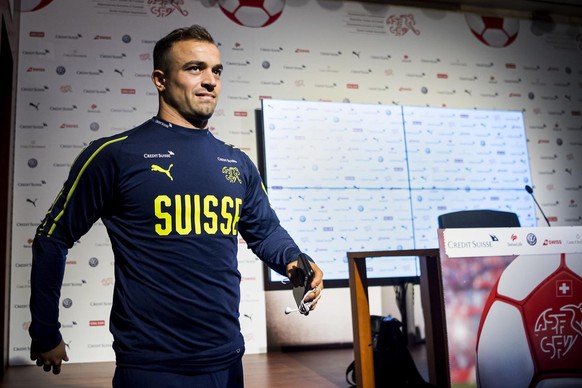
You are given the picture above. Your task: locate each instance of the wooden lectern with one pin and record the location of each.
(433, 307)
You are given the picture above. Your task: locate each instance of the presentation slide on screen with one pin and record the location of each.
(363, 177)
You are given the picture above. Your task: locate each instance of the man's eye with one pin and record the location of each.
(218, 72)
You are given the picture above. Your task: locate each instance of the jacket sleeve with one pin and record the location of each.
(84, 197)
(261, 229)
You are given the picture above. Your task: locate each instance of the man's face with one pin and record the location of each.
(192, 83)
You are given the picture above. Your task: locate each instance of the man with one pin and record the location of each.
(173, 199)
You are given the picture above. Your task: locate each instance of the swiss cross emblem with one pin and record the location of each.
(564, 288)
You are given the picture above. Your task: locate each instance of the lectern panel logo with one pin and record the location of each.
(531, 239)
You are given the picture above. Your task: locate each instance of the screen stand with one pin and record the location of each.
(433, 310)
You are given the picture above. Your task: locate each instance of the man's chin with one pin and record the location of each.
(199, 118)
(205, 113)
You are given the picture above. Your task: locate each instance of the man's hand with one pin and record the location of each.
(316, 284)
(51, 359)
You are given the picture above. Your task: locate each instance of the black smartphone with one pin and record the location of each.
(302, 283)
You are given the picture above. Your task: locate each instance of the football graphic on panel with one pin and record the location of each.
(252, 13)
(530, 334)
(493, 31)
(33, 5)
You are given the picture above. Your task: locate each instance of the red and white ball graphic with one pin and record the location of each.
(252, 13)
(530, 334)
(493, 31)
(33, 5)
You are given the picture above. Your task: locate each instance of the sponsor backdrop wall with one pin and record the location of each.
(84, 72)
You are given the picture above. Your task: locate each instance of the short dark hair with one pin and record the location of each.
(163, 46)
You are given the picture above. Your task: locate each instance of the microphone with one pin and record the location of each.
(530, 191)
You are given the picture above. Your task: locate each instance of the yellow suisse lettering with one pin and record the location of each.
(227, 205)
(183, 216)
(165, 228)
(237, 207)
(188, 214)
(212, 226)
(197, 212)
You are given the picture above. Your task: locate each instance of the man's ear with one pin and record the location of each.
(159, 80)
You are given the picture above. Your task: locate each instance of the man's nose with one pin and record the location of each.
(209, 79)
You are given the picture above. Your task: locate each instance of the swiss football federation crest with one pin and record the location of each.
(232, 174)
(558, 330)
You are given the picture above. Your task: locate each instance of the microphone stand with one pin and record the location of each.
(529, 189)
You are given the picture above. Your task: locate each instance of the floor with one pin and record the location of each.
(305, 368)
(316, 368)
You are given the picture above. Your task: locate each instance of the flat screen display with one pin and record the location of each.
(348, 177)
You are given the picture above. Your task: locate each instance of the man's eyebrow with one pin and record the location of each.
(202, 65)
(194, 63)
